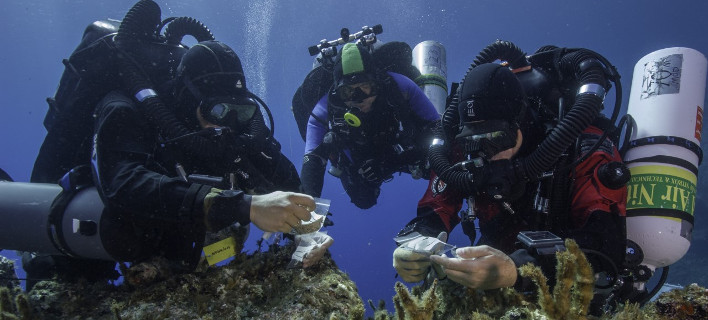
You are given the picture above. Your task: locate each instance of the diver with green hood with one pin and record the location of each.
(178, 149)
(370, 125)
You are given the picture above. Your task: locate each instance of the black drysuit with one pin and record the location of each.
(153, 210)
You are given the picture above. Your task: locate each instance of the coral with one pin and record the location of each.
(19, 310)
(409, 307)
(574, 284)
(630, 312)
(380, 312)
(446, 299)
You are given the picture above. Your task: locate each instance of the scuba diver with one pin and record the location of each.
(370, 124)
(179, 149)
(527, 183)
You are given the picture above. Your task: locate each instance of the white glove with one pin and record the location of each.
(412, 258)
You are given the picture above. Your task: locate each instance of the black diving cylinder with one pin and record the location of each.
(40, 217)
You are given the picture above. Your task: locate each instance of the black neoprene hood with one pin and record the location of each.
(490, 92)
(213, 68)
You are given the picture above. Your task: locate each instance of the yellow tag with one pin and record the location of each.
(220, 250)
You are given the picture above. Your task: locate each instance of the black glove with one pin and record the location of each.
(226, 207)
(253, 144)
(372, 171)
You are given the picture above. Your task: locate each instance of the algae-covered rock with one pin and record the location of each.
(8, 278)
(257, 286)
(569, 299)
(690, 302)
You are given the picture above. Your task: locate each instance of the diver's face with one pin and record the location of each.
(203, 122)
(511, 152)
(364, 105)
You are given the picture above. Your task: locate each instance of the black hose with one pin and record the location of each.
(140, 23)
(588, 67)
(265, 107)
(182, 26)
(583, 112)
(164, 118)
(501, 50)
(662, 280)
(629, 120)
(613, 266)
(459, 178)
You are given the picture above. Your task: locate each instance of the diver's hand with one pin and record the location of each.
(413, 266)
(258, 144)
(480, 267)
(280, 211)
(314, 256)
(372, 171)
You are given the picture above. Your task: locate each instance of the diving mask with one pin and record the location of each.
(488, 137)
(228, 111)
(357, 92)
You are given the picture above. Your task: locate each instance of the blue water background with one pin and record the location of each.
(272, 38)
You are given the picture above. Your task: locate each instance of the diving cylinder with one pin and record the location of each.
(27, 222)
(666, 102)
(429, 57)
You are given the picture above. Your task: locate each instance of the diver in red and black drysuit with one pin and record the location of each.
(495, 133)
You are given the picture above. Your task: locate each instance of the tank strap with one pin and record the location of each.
(431, 79)
(669, 140)
(668, 160)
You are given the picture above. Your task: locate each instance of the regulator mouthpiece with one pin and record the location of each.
(352, 119)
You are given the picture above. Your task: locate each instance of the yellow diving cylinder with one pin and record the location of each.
(666, 102)
(429, 57)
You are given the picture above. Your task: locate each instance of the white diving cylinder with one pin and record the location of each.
(666, 102)
(29, 221)
(429, 57)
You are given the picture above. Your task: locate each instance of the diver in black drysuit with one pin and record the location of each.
(135, 172)
(163, 191)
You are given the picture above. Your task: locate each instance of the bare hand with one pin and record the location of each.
(481, 267)
(280, 211)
